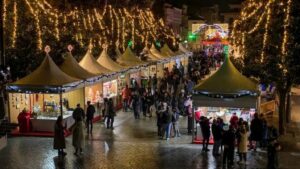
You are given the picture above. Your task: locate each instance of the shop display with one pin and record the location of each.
(110, 89)
(226, 113)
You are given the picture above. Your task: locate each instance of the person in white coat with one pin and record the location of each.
(243, 143)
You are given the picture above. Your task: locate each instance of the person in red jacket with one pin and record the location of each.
(234, 121)
(125, 97)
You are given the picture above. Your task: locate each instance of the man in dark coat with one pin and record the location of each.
(256, 128)
(78, 113)
(90, 111)
(217, 133)
(228, 142)
(205, 128)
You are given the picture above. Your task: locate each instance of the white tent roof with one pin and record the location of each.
(89, 63)
(108, 63)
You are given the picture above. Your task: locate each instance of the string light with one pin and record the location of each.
(56, 27)
(14, 34)
(263, 11)
(37, 24)
(286, 25)
(123, 23)
(4, 12)
(269, 13)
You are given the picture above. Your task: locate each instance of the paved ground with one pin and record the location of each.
(133, 144)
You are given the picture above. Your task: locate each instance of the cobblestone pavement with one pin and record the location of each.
(132, 144)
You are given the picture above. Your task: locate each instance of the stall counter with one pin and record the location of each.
(46, 124)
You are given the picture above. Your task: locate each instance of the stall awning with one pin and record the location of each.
(239, 102)
(155, 52)
(227, 80)
(151, 57)
(166, 51)
(118, 52)
(71, 67)
(183, 49)
(89, 63)
(108, 63)
(46, 78)
(129, 58)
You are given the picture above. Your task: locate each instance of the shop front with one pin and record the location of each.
(225, 92)
(36, 100)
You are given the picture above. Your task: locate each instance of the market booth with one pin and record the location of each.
(71, 67)
(185, 60)
(44, 94)
(168, 53)
(162, 59)
(94, 92)
(114, 86)
(226, 92)
(136, 66)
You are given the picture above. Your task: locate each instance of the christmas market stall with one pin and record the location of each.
(160, 64)
(116, 84)
(94, 92)
(71, 67)
(170, 55)
(185, 60)
(136, 66)
(36, 100)
(224, 93)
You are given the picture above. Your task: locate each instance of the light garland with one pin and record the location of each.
(14, 34)
(286, 25)
(37, 23)
(263, 10)
(269, 13)
(83, 22)
(4, 12)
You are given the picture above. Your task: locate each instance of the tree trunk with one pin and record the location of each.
(288, 108)
(282, 108)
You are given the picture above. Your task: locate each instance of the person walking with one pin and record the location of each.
(105, 109)
(217, 134)
(229, 143)
(234, 120)
(167, 121)
(243, 143)
(136, 105)
(205, 127)
(78, 113)
(256, 128)
(78, 130)
(59, 142)
(111, 114)
(175, 123)
(90, 111)
(125, 98)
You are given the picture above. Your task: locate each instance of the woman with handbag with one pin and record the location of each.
(59, 142)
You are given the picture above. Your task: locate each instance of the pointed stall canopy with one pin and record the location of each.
(89, 63)
(155, 52)
(46, 78)
(166, 51)
(227, 81)
(118, 52)
(129, 58)
(108, 63)
(150, 56)
(182, 48)
(71, 67)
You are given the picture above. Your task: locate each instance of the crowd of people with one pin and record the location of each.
(169, 98)
(241, 136)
